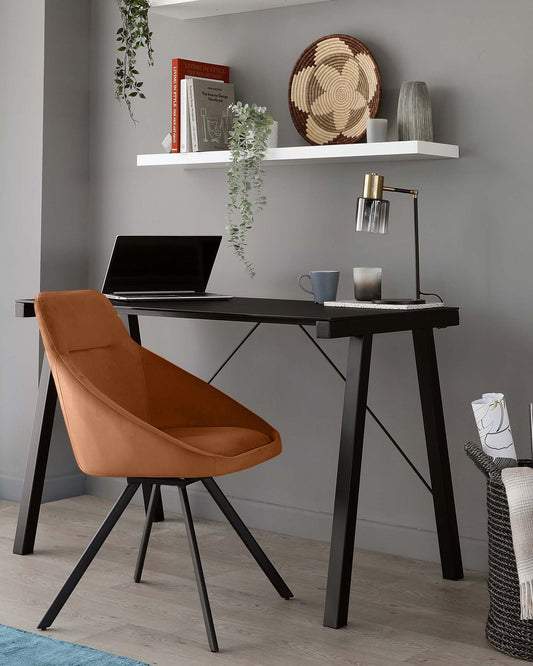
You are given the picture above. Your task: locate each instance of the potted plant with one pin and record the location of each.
(247, 144)
(132, 35)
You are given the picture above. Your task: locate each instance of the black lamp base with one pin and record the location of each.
(400, 301)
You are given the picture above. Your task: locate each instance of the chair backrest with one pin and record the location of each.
(84, 330)
(118, 399)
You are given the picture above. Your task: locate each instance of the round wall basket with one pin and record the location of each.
(335, 86)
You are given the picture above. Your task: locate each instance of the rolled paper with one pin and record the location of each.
(492, 421)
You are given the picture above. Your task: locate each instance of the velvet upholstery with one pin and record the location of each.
(130, 412)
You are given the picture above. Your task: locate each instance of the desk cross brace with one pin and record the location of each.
(342, 376)
(380, 424)
(234, 351)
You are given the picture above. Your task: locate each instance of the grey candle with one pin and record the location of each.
(376, 130)
(367, 283)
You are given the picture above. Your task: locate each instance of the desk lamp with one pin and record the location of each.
(373, 215)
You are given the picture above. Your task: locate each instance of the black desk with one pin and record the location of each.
(359, 326)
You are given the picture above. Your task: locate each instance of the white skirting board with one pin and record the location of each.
(55, 487)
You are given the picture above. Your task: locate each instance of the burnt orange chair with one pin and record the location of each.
(130, 413)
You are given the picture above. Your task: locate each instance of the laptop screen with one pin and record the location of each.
(160, 263)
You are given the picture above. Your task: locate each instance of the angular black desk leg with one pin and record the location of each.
(348, 476)
(32, 492)
(437, 448)
(135, 332)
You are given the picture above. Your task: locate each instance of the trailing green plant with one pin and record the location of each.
(247, 144)
(132, 35)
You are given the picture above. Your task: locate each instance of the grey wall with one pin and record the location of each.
(21, 128)
(474, 247)
(65, 218)
(45, 208)
(476, 242)
(66, 205)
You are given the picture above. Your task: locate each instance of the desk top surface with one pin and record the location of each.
(331, 322)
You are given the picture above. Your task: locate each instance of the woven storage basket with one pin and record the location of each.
(504, 630)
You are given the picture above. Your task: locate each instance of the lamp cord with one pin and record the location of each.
(426, 293)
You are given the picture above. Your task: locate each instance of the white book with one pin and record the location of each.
(185, 131)
(185, 121)
(191, 106)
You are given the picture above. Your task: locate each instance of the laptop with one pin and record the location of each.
(161, 268)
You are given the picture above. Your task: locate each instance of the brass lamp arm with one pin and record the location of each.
(401, 189)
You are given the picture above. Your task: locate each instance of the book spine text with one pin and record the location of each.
(175, 131)
(192, 115)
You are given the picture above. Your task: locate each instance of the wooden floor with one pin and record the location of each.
(401, 611)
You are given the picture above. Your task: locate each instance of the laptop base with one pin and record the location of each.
(168, 297)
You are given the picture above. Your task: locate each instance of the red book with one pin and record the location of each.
(180, 69)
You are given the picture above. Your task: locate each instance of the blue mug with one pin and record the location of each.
(323, 285)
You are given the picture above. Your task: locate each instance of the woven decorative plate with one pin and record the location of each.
(335, 86)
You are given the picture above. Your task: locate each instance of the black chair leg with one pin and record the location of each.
(200, 581)
(88, 555)
(155, 496)
(159, 515)
(247, 538)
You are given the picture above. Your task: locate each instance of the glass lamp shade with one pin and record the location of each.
(372, 215)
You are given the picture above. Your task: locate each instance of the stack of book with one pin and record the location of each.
(201, 95)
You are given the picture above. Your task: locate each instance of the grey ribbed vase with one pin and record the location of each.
(415, 120)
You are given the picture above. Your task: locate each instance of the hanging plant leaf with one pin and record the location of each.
(247, 144)
(132, 36)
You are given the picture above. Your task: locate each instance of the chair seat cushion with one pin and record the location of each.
(221, 440)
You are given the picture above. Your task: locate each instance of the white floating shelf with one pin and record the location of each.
(193, 9)
(350, 152)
